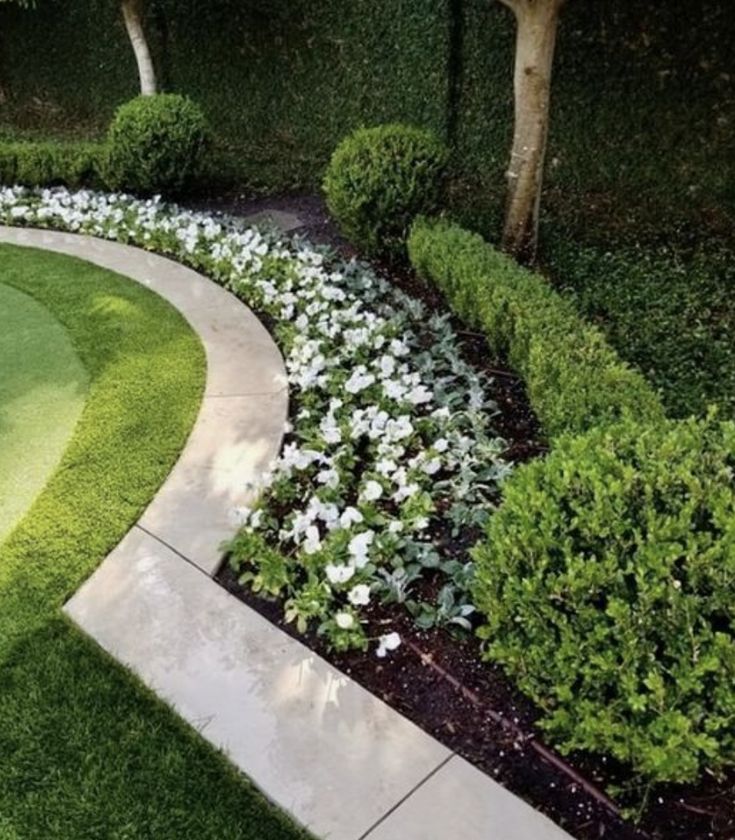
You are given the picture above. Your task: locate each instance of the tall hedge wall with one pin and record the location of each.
(644, 103)
(282, 80)
(643, 112)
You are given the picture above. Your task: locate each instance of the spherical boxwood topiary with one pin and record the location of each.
(380, 179)
(156, 144)
(608, 582)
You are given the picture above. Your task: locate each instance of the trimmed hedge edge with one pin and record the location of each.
(49, 164)
(575, 380)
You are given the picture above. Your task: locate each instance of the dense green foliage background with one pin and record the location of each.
(643, 98)
(639, 202)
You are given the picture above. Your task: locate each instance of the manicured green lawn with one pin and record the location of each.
(85, 750)
(42, 389)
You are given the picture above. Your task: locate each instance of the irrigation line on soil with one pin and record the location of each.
(519, 735)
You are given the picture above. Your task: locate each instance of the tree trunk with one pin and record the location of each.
(537, 23)
(133, 16)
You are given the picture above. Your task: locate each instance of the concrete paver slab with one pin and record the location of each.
(314, 741)
(459, 801)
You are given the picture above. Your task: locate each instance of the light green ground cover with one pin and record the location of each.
(85, 750)
(42, 389)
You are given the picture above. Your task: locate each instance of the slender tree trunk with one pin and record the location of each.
(537, 23)
(133, 15)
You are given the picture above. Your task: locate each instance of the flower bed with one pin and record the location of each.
(391, 463)
(360, 516)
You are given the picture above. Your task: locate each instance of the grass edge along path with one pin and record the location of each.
(86, 750)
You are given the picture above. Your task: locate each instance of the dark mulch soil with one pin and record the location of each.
(439, 681)
(318, 226)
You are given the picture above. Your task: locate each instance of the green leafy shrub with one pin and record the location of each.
(157, 144)
(378, 181)
(575, 380)
(50, 164)
(608, 581)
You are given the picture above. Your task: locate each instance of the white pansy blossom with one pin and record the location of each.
(359, 547)
(350, 516)
(359, 595)
(339, 574)
(359, 380)
(372, 491)
(312, 543)
(387, 643)
(344, 621)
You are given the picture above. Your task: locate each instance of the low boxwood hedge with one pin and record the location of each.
(155, 144)
(575, 379)
(48, 164)
(606, 576)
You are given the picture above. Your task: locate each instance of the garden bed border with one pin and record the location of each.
(338, 759)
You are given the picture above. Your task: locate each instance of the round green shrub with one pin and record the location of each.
(379, 179)
(607, 578)
(156, 144)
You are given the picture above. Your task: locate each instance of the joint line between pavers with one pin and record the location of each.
(405, 798)
(248, 394)
(176, 551)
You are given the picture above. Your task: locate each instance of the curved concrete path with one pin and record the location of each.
(341, 761)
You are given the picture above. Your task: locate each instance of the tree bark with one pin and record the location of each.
(133, 15)
(536, 28)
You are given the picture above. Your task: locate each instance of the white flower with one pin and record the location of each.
(394, 390)
(301, 521)
(359, 380)
(441, 445)
(387, 365)
(359, 546)
(299, 458)
(331, 432)
(329, 477)
(432, 466)
(419, 395)
(388, 642)
(350, 516)
(371, 491)
(345, 621)
(395, 526)
(405, 492)
(317, 509)
(339, 574)
(312, 543)
(399, 429)
(359, 596)
(386, 466)
(400, 477)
